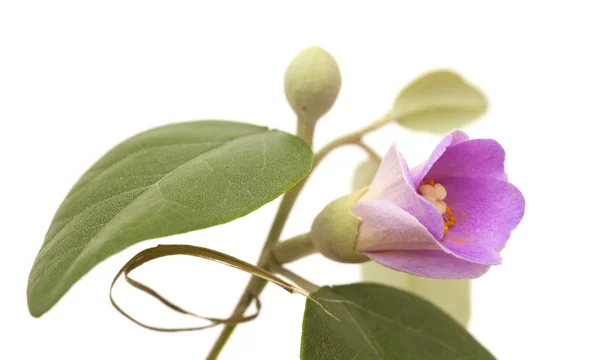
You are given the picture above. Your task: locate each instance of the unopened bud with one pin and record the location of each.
(312, 83)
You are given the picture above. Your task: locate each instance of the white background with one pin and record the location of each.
(78, 77)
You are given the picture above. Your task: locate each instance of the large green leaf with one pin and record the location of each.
(167, 180)
(452, 296)
(438, 101)
(380, 322)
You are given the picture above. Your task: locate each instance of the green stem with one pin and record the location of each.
(354, 137)
(293, 249)
(369, 150)
(305, 129)
(256, 285)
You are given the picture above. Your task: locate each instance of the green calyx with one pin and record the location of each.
(335, 230)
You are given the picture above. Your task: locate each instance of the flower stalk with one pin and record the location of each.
(293, 249)
(256, 285)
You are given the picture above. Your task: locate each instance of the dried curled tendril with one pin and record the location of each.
(170, 250)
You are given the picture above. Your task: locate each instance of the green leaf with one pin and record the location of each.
(364, 173)
(452, 296)
(380, 322)
(164, 181)
(438, 102)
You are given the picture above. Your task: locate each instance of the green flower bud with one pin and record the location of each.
(312, 83)
(335, 229)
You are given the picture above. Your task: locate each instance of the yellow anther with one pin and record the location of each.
(440, 191)
(428, 191)
(435, 193)
(441, 206)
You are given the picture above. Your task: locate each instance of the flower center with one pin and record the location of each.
(435, 194)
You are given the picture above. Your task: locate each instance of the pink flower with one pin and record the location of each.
(447, 218)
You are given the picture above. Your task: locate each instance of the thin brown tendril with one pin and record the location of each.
(170, 250)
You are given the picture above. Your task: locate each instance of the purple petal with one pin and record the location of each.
(486, 212)
(481, 158)
(429, 263)
(385, 226)
(475, 253)
(454, 138)
(392, 168)
(393, 184)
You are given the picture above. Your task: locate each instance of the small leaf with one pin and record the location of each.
(364, 173)
(164, 181)
(452, 296)
(438, 102)
(380, 322)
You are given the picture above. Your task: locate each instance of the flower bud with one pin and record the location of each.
(312, 83)
(335, 230)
